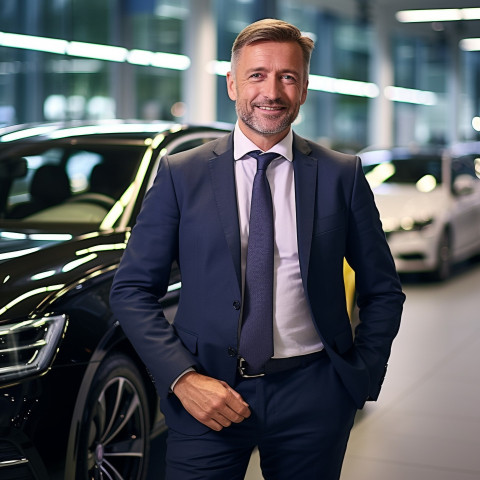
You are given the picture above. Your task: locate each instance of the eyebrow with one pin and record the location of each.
(263, 69)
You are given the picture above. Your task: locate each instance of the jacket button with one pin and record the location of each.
(232, 352)
(236, 305)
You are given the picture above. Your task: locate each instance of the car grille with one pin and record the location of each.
(13, 464)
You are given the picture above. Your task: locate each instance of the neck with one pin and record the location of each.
(263, 141)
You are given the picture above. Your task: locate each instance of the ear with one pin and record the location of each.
(304, 93)
(232, 91)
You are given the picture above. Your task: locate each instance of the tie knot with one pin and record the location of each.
(263, 159)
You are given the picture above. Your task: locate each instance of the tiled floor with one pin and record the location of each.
(426, 424)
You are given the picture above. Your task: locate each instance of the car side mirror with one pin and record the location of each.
(464, 185)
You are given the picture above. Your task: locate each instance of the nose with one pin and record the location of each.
(272, 88)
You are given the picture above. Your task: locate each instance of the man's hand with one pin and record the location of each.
(212, 402)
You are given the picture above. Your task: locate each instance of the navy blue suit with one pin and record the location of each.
(190, 215)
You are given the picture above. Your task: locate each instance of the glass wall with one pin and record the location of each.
(40, 85)
(59, 78)
(421, 65)
(469, 118)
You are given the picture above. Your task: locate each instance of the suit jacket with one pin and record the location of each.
(190, 215)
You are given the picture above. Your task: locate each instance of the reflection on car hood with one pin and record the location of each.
(398, 201)
(35, 268)
(14, 244)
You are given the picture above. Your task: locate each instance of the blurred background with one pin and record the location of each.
(379, 77)
(384, 73)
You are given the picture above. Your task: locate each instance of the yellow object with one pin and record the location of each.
(349, 280)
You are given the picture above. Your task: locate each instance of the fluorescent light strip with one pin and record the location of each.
(470, 44)
(342, 86)
(30, 42)
(438, 15)
(350, 87)
(182, 62)
(410, 95)
(317, 82)
(95, 51)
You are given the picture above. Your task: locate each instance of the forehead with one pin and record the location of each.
(269, 53)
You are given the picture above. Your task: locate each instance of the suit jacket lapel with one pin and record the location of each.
(222, 174)
(305, 170)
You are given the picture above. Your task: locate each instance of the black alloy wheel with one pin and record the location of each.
(114, 438)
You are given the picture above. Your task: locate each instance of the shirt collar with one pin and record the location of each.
(242, 145)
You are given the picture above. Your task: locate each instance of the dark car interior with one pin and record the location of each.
(65, 183)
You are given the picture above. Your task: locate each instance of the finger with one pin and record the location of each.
(236, 404)
(227, 416)
(232, 411)
(234, 392)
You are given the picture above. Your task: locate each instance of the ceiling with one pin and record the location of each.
(385, 10)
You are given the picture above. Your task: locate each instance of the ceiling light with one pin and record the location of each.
(95, 51)
(100, 52)
(470, 44)
(438, 15)
(30, 42)
(410, 95)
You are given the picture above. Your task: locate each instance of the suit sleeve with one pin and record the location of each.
(142, 279)
(380, 298)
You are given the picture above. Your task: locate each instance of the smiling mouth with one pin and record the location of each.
(270, 109)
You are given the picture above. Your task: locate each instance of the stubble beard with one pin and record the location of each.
(267, 127)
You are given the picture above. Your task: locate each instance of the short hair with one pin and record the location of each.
(272, 30)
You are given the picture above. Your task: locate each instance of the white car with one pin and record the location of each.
(429, 203)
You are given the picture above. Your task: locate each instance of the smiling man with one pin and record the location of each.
(261, 352)
(268, 88)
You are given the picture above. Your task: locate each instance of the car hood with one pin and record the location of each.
(16, 244)
(38, 267)
(398, 202)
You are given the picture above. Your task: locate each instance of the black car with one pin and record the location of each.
(75, 401)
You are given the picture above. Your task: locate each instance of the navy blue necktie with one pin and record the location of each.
(256, 336)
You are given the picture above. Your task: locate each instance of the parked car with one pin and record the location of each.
(76, 403)
(429, 203)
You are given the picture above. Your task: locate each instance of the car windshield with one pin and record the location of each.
(422, 170)
(65, 183)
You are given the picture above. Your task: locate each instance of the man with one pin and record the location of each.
(297, 407)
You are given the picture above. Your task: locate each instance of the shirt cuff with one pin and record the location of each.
(172, 386)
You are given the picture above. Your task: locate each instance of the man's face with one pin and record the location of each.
(268, 88)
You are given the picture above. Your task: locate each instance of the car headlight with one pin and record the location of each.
(29, 347)
(405, 224)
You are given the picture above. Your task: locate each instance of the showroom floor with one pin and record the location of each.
(426, 424)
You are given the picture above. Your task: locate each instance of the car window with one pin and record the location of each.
(191, 143)
(404, 170)
(84, 180)
(466, 165)
(20, 190)
(79, 168)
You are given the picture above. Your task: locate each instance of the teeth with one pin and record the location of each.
(270, 108)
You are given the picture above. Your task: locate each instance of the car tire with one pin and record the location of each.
(114, 435)
(444, 257)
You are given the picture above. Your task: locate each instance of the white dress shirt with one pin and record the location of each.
(293, 329)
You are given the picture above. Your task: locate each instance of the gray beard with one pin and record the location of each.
(254, 124)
